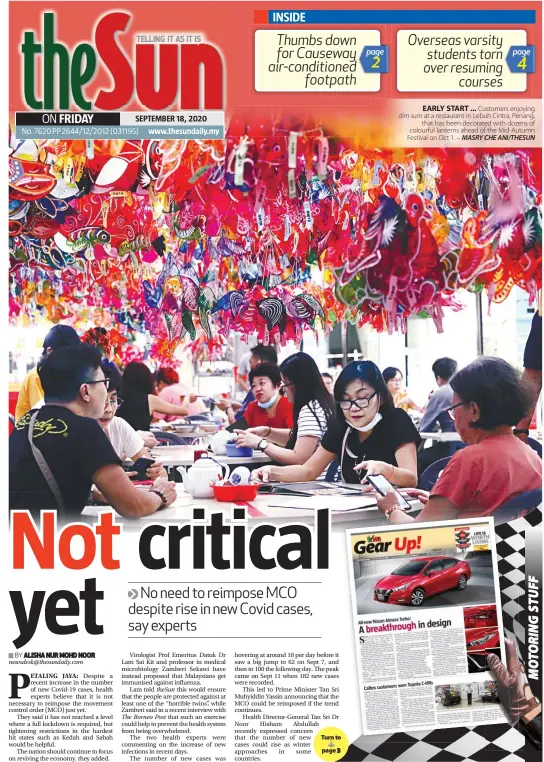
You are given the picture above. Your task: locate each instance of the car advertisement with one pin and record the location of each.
(426, 620)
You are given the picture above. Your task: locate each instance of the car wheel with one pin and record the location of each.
(417, 596)
(462, 582)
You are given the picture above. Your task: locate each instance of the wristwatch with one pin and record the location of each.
(164, 501)
(263, 444)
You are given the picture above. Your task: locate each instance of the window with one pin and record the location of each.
(411, 568)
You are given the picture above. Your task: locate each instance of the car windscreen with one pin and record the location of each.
(410, 568)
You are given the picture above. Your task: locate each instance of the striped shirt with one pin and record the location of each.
(312, 421)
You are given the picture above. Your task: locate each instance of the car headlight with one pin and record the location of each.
(481, 640)
(401, 587)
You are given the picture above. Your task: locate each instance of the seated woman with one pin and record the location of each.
(171, 390)
(368, 436)
(328, 380)
(394, 379)
(489, 398)
(313, 408)
(127, 443)
(269, 408)
(140, 403)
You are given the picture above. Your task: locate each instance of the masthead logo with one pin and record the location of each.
(177, 84)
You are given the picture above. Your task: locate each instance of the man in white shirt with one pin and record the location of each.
(127, 443)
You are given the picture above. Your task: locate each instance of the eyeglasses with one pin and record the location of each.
(285, 386)
(104, 381)
(361, 402)
(115, 402)
(452, 408)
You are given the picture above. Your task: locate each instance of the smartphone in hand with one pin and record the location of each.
(140, 466)
(383, 486)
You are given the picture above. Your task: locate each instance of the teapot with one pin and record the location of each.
(198, 481)
(219, 440)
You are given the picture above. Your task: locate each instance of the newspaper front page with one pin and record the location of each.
(188, 179)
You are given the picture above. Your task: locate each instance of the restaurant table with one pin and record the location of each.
(441, 436)
(198, 436)
(197, 431)
(275, 509)
(183, 455)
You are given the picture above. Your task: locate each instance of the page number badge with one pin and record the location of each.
(375, 59)
(521, 59)
(331, 743)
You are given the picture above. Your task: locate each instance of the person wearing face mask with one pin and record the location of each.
(313, 408)
(489, 398)
(269, 408)
(368, 436)
(258, 354)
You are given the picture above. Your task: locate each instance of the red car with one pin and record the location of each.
(419, 578)
(482, 639)
(480, 616)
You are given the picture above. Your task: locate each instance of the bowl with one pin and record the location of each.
(185, 428)
(232, 493)
(209, 428)
(160, 426)
(233, 451)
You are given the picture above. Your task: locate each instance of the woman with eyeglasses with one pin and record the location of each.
(489, 398)
(368, 436)
(140, 402)
(127, 443)
(313, 408)
(270, 409)
(395, 383)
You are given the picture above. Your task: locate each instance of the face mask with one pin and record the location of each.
(374, 422)
(266, 405)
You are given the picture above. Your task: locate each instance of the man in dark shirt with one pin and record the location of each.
(435, 415)
(436, 409)
(76, 451)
